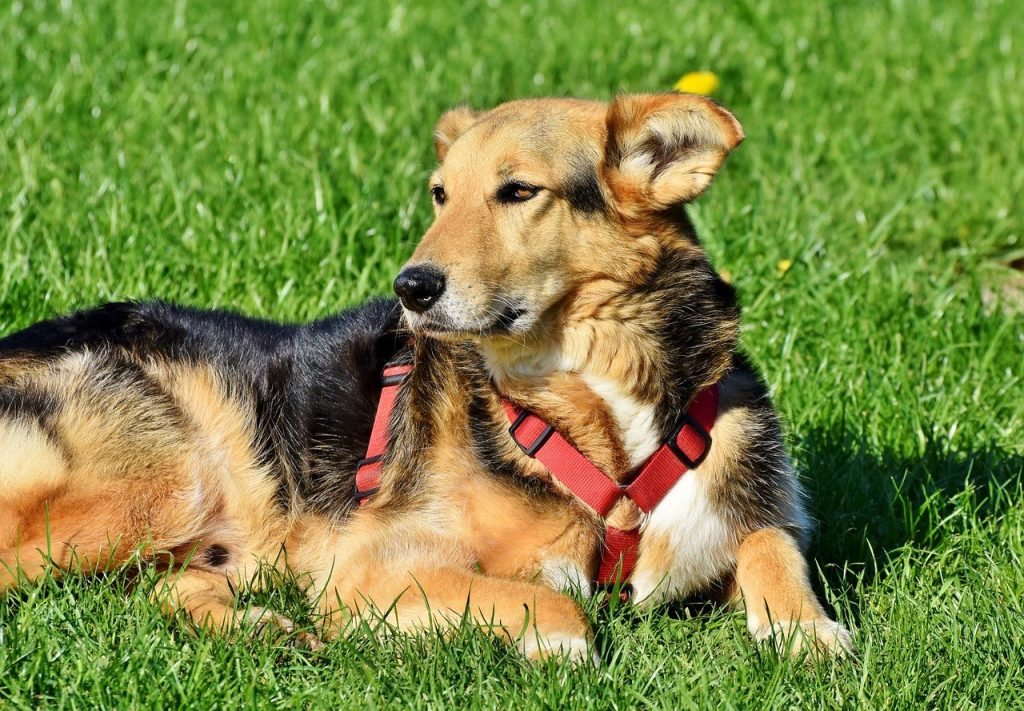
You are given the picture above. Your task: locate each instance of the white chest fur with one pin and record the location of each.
(701, 546)
(635, 419)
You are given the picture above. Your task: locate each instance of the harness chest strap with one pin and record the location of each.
(685, 449)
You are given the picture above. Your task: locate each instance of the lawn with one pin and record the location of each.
(271, 157)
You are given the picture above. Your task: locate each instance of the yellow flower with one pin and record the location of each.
(726, 276)
(705, 83)
(784, 266)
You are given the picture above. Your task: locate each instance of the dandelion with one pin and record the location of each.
(705, 83)
(726, 276)
(784, 266)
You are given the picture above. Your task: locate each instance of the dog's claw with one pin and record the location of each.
(578, 651)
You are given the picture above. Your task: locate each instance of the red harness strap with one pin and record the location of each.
(685, 449)
(368, 469)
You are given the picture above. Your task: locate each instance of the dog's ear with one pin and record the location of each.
(663, 149)
(450, 126)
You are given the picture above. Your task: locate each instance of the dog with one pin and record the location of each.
(564, 407)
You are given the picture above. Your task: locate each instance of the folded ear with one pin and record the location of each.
(450, 126)
(663, 149)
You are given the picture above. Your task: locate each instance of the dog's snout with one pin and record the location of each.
(419, 287)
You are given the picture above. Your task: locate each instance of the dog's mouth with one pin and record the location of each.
(442, 326)
(506, 319)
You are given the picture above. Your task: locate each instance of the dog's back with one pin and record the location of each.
(195, 433)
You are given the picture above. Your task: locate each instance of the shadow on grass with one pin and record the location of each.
(869, 504)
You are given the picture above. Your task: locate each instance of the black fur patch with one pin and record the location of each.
(698, 329)
(582, 190)
(215, 556)
(26, 403)
(35, 406)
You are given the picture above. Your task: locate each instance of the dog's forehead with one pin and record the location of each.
(542, 134)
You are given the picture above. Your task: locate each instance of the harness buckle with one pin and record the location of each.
(531, 449)
(673, 441)
(363, 495)
(368, 460)
(394, 374)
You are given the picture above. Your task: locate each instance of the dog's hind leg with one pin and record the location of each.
(772, 576)
(84, 533)
(55, 517)
(33, 469)
(539, 621)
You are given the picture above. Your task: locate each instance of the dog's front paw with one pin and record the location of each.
(578, 650)
(822, 638)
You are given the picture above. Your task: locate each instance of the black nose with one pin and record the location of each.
(419, 287)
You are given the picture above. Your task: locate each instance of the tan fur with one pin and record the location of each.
(129, 476)
(245, 521)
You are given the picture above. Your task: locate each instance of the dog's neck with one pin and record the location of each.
(622, 340)
(552, 371)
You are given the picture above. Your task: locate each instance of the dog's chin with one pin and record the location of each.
(511, 321)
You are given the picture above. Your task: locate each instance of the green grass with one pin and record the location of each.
(271, 156)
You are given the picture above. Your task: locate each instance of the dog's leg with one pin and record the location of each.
(208, 598)
(10, 568)
(18, 564)
(539, 621)
(773, 578)
(87, 536)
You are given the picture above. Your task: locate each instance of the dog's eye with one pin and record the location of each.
(517, 192)
(438, 194)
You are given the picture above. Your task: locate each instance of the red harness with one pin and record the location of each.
(685, 449)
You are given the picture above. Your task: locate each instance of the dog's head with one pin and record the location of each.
(535, 199)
